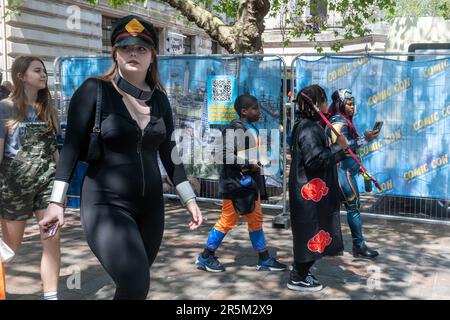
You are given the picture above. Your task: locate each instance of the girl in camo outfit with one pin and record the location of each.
(28, 153)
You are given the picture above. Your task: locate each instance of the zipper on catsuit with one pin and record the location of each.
(139, 151)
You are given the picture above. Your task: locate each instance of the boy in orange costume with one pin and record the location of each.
(242, 187)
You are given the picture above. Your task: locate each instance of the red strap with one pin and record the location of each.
(133, 34)
(350, 152)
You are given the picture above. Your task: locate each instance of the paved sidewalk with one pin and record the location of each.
(414, 263)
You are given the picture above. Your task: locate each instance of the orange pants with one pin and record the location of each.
(2, 282)
(228, 220)
(229, 217)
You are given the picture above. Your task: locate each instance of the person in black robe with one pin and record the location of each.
(313, 190)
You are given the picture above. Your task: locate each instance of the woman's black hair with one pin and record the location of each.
(338, 104)
(243, 102)
(315, 94)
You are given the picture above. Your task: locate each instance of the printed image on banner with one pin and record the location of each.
(262, 79)
(185, 81)
(221, 92)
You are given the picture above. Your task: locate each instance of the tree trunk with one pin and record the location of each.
(245, 36)
(249, 26)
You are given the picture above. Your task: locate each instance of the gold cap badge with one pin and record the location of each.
(134, 26)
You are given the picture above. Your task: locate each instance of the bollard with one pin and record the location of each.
(6, 254)
(2, 282)
(281, 221)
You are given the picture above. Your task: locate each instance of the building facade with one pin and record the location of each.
(276, 31)
(50, 29)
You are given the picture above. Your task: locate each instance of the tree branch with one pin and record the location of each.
(204, 19)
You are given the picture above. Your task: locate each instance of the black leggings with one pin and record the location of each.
(126, 244)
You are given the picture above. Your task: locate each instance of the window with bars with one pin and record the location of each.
(187, 44)
(107, 23)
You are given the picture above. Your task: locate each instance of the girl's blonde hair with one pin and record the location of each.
(152, 79)
(44, 110)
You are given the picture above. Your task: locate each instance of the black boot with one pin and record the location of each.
(364, 251)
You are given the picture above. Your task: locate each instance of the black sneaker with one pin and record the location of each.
(309, 284)
(315, 280)
(270, 264)
(210, 263)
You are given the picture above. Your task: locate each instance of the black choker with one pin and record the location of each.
(131, 89)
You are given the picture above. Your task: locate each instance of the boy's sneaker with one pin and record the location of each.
(270, 264)
(210, 263)
(308, 284)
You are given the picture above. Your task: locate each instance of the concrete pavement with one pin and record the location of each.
(414, 263)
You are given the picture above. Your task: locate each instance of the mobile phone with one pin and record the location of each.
(52, 230)
(378, 125)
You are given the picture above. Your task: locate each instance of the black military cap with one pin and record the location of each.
(131, 30)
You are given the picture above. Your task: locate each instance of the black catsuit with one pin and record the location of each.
(122, 207)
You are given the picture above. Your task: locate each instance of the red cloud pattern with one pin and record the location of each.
(319, 242)
(315, 190)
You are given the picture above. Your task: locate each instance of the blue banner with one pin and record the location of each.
(412, 98)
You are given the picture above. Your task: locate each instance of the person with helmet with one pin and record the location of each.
(342, 110)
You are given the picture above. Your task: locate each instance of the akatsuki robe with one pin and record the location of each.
(314, 192)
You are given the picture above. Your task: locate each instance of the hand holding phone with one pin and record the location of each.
(378, 125)
(51, 231)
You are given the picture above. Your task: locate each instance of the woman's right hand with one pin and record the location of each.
(53, 215)
(196, 215)
(342, 142)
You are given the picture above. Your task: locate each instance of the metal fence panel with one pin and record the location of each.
(410, 157)
(191, 83)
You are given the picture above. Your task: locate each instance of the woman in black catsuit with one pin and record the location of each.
(122, 207)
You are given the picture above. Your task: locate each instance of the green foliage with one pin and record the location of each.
(227, 7)
(13, 7)
(117, 3)
(356, 14)
(420, 8)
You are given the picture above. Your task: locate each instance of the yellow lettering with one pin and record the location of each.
(439, 162)
(428, 72)
(403, 85)
(446, 112)
(388, 185)
(426, 122)
(409, 175)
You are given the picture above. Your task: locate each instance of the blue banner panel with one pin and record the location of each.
(412, 98)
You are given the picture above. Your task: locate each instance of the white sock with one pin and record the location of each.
(51, 295)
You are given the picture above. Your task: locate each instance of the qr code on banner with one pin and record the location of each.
(222, 90)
